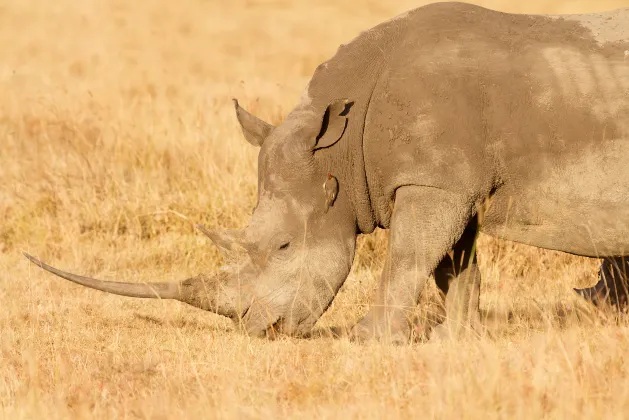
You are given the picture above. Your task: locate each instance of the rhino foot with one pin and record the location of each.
(396, 331)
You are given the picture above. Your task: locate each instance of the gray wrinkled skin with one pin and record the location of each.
(448, 120)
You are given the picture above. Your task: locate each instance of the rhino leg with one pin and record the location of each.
(611, 288)
(458, 277)
(424, 224)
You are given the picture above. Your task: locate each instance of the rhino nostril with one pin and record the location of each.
(284, 246)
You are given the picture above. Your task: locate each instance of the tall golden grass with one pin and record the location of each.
(117, 134)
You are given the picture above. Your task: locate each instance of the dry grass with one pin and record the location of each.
(115, 122)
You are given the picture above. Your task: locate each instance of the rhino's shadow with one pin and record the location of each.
(182, 323)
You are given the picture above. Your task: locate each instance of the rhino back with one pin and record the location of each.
(534, 109)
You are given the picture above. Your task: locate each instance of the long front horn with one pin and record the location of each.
(138, 290)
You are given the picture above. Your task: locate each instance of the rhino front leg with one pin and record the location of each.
(425, 224)
(458, 277)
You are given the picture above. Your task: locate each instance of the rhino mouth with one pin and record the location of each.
(278, 329)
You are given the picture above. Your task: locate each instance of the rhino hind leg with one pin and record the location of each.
(612, 286)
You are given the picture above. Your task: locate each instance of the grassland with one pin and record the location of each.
(117, 134)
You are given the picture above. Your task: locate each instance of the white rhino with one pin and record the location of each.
(445, 121)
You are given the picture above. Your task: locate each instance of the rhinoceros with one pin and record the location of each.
(446, 121)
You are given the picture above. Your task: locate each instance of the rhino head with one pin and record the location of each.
(298, 247)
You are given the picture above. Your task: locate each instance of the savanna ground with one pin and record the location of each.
(117, 134)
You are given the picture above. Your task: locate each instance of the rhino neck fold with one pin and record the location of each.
(352, 73)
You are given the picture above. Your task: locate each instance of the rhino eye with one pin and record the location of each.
(284, 246)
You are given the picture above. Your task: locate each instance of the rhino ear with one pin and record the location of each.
(333, 123)
(254, 129)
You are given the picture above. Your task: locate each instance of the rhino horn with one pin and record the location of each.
(213, 293)
(138, 290)
(227, 241)
(254, 129)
